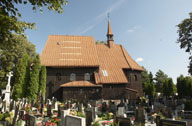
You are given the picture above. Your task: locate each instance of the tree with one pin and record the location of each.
(148, 84)
(160, 77)
(184, 86)
(180, 84)
(151, 77)
(42, 80)
(32, 89)
(169, 89)
(185, 38)
(10, 53)
(20, 77)
(9, 15)
(100, 42)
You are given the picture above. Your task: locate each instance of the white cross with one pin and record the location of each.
(9, 80)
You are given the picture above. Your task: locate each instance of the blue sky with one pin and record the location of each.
(146, 28)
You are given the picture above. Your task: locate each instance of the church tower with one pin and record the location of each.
(110, 40)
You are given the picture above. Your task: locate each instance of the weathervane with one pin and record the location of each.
(108, 15)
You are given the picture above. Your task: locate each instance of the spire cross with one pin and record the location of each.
(108, 15)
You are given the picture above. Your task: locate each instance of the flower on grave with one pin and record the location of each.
(133, 118)
(107, 122)
(154, 115)
(50, 124)
(8, 119)
(27, 108)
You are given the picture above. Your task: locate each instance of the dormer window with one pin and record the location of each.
(105, 73)
(72, 77)
(86, 76)
(58, 43)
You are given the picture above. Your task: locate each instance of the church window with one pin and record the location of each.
(104, 73)
(135, 77)
(86, 76)
(58, 76)
(72, 77)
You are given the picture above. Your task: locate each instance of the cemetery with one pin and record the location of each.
(124, 112)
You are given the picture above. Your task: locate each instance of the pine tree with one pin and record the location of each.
(20, 74)
(42, 80)
(32, 89)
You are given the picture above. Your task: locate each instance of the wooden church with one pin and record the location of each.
(78, 68)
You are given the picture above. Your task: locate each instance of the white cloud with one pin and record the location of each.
(139, 59)
(92, 23)
(133, 29)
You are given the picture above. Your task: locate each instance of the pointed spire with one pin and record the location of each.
(109, 34)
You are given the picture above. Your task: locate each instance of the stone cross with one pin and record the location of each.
(8, 89)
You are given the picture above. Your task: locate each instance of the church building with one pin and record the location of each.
(78, 68)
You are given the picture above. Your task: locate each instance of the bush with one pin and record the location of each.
(80, 114)
(1, 117)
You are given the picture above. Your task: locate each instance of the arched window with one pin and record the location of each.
(87, 76)
(72, 77)
(135, 77)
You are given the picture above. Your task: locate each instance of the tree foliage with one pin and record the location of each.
(169, 89)
(148, 84)
(100, 42)
(184, 86)
(10, 53)
(9, 15)
(185, 38)
(21, 77)
(160, 77)
(42, 80)
(34, 79)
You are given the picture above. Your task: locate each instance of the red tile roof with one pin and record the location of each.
(113, 61)
(78, 51)
(64, 50)
(80, 84)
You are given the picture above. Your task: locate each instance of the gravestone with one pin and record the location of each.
(49, 113)
(123, 121)
(113, 108)
(188, 115)
(89, 118)
(11, 106)
(21, 114)
(139, 116)
(93, 113)
(157, 120)
(63, 114)
(80, 107)
(1, 104)
(169, 122)
(4, 107)
(59, 110)
(31, 121)
(16, 113)
(74, 121)
(104, 107)
(121, 111)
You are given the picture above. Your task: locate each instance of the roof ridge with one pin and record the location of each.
(71, 35)
(125, 56)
